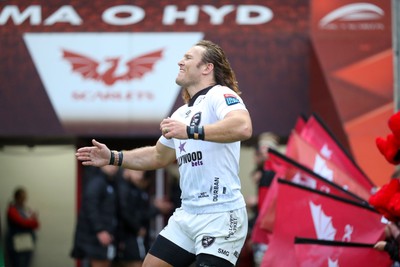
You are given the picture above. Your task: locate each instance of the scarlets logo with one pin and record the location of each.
(89, 68)
(113, 78)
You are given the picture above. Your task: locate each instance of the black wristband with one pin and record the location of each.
(195, 132)
(190, 131)
(201, 132)
(112, 158)
(120, 158)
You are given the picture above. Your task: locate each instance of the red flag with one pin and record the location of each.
(300, 123)
(301, 211)
(291, 170)
(264, 224)
(287, 169)
(303, 152)
(323, 253)
(320, 137)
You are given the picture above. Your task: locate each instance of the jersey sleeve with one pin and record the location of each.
(167, 142)
(225, 100)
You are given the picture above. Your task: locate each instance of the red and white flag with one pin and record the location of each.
(316, 133)
(298, 149)
(301, 211)
(324, 253)
(287, 169)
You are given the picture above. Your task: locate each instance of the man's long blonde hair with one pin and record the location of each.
(223, 73)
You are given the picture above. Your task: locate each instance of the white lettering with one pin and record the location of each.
(217, 14)
(64, 14)
(129, 14)
(262, 15)
(32, 12)
(135, 14)
(190, 15)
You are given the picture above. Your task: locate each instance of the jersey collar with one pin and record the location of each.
(199, 93)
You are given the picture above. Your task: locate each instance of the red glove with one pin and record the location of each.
(394, 205)
(389, 148)
(386, 200)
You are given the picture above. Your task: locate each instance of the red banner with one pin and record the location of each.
(302, 211)
(41, 42)
(264, 224)
(352, 42)
(303, 152)
(322, 253)
(320, 137)
(300, 123)
(287, 169)
(291, 170)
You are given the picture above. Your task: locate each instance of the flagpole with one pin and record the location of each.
(396, 39)
(396, 59)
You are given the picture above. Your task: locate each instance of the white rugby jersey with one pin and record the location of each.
(208, 170)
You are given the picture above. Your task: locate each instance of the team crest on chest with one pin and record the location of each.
(195, 121)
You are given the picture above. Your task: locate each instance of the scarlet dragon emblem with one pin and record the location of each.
(89, 68)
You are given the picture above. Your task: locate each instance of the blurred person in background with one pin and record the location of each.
(22, 223)
(136, 209)
(96, 228)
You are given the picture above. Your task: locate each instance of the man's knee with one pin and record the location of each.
(207, 260)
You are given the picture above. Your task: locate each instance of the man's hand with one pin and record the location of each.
(380, 245)
(163, 205)
(97, 155)
(104, 238)
(173, 129)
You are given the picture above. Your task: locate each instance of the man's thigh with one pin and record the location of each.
(164, 253)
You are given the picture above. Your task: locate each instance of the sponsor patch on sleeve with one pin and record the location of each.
(231, 99)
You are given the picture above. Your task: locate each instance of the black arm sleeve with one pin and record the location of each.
(392, 248)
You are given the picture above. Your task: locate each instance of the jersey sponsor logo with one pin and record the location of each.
(223, 251)
(233, 223)
(195, 158)
(215, 188)
(236, 254)
(200, 99)
(196, 119)
(203, 195)
(231, 99)
(207, 241)
(182, 147)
